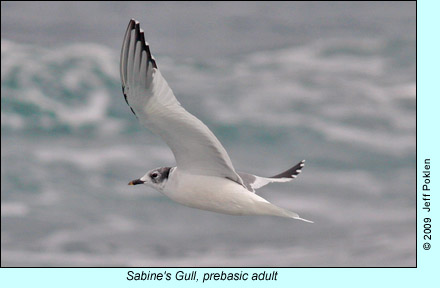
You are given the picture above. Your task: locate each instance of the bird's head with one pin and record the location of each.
(155, 178)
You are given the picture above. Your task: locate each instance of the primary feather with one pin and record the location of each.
(194, 146)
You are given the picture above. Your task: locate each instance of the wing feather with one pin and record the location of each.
(252, 182)
(194, 146)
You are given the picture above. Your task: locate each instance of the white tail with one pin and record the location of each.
(268, 208)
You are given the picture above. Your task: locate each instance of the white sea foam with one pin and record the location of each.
(314, 86)
(338, 101)
(14, 209)
(42, 78)
(96, 158)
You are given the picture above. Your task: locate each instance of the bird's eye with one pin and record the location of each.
(154, 175)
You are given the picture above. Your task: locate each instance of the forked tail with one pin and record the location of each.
(270, 209)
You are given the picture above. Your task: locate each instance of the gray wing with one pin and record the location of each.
(194, 146)
(252, 182)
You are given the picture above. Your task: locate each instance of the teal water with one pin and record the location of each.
(338, 90)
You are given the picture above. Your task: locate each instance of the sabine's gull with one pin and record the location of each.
(204, 177)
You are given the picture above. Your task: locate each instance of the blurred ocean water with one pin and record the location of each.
(332, 84)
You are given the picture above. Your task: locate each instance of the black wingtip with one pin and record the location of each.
(131, 24)
(142, 39)
(140, 36)
(292, 172)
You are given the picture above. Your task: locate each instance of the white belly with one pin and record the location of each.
(214, 194)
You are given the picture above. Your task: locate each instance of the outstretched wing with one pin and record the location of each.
(194, 146)
(252, 182)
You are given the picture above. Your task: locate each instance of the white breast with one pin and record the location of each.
(212, 193)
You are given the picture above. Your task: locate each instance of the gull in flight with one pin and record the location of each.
(204, 177)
